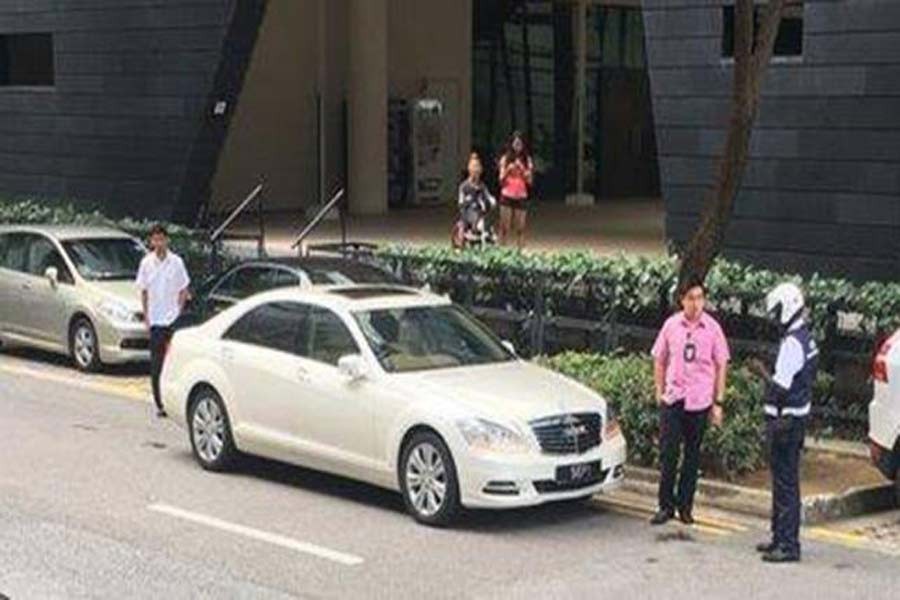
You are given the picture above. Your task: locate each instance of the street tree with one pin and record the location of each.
(752, 54)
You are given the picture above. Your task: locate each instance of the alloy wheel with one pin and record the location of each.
(426, 479)
(208, 428)
(85, 345)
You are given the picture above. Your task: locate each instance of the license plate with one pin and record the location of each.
(578, 473)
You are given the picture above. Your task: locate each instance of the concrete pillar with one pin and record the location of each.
(368, 94)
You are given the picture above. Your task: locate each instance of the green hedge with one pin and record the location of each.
(627, 383)
(190, 244)
(632, 284)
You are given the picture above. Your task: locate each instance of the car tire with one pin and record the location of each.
(84, 346)
(210, 431)
(428, 480)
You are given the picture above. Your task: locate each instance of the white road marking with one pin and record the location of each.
(258, 534)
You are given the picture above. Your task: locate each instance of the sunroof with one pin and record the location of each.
(364, 293)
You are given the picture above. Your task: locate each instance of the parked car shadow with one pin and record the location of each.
(474, 521)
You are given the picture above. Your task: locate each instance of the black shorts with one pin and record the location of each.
(514, 203)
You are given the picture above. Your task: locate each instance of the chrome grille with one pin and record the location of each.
(574, 433)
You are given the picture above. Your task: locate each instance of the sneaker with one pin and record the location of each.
(662, 516)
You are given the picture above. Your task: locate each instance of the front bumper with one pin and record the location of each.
(500, 481)
(123, 343)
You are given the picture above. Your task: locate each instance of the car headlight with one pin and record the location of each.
(118, 312)
(611, 426)
(488, 436)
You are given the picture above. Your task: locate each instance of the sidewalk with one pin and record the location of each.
(611, 226)
(836, 482)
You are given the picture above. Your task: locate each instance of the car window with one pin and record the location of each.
(347, 272)
(43, 254)
(246, 281)
(13, 251)
(328, 339)
(275, 325)
(283, 278)
(422, 337)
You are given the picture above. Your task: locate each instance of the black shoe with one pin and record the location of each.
(685, 515)
(161, 414)
(780, 555)
(662, 516)
(766, 547)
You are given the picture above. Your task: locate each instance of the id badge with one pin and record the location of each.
(690, 352)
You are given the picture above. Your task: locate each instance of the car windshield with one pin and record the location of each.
(429, 337)
(105, 259)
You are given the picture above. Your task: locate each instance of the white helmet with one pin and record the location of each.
(785, 302)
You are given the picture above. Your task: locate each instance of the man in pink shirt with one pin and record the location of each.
(690, 367)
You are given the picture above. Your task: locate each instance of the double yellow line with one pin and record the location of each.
(122, 390)
(703, 524)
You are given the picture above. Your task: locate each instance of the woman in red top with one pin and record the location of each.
(516, 179)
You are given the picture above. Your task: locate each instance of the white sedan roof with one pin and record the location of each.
(355, 297)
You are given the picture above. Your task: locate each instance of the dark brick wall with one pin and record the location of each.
(134, 84)
(822, 192)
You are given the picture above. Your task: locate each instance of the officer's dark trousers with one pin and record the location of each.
(159, 340)
(785, 446)
(679, 426)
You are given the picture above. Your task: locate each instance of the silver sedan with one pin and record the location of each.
(70, 290)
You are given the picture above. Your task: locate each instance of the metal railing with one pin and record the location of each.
(319, 217)
(216, 237)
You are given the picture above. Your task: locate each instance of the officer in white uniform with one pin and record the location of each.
(787, 407)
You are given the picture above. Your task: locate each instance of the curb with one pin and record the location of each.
(758, 503)
(852, 503)
(710, 493)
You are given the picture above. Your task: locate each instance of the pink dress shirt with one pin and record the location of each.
(691, 352)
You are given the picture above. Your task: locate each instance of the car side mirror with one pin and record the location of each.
(352, 366)
(509, 346)
(52, 275)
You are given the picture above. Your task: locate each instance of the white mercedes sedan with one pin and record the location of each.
(393, 386)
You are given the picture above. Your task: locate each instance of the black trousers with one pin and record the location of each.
(785, 439)
(680, 427)
(159, 340)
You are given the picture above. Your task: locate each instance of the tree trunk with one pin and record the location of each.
(750, 64)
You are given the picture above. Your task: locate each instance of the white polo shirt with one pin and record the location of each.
(163, 281)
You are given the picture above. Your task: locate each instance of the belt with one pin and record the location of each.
(793, 411)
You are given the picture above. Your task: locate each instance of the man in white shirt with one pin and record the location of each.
(163, 282)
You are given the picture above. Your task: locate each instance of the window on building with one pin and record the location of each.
(26, 59)
(790, 35)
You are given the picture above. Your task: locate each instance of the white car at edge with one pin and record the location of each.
(393, 386)
(884, 410)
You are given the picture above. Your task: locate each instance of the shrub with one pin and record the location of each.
(626, 381)
(641, 285)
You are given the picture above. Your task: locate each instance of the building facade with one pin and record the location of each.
(822, 191)
(169, 109)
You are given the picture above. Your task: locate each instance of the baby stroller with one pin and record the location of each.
(472, 228)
